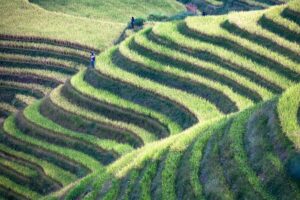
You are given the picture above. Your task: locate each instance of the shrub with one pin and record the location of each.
(181, 16)
(157, 17)
(139, 22)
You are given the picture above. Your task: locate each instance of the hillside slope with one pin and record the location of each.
(19, 17)
(183, 110)
(114, 11)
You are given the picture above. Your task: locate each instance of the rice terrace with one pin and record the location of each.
(149, 99)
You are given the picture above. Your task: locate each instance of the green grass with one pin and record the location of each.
(78, 82)
(247, 63)
(22, 169)
(32, 113)
(24, 191)
(10, 128)
(238, 100)
(170, 31)
(60, 101)
(7, 107)
(50, 170)
(288, 107)
(30, 86)
(249, 21)
(274, 15)
(145, 182)
(59, 77)
(38, 47)
(112, 11)
(177, 56)
(49, 63)
(22, 18)
(263, 129)
(214, 153)
(26, 99)
(237, 160)
(211, 26)
(193, 104)
(211, 175)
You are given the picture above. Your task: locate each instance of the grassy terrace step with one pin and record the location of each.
(267, 74)
(77, 98)
(20, 61)
(164, 124)
(106, 144)
(145, 180)
(17, 190)
(7, 108)
(197, 63)
(46, 47)
(53, 76)
(161, 160)
(25, 99)
(143, 97)
(184, 84)
(36, 90)
(288, 109)
(14, 101)
(250, 22)
(262, 154)
(129, 187)
(31, 171)
(44, 40)
(145, 66)
(52, 171)
(115, 112)
(42, 134)
(288, 70)
(65, 158)
(136, 60)
(139, 135)
(211, 172)
(210, 66)
(255, 4)
(6, 194)
(180, 171)
(8, 94)
(44, 51)
(156, 181)
(188, 62)
(170, 32)
(190, 104)
(260, 39)
(291, 15)
(216, 35)
(273, 22)
(84, 126)
(41, 187)
(9, 75)
(239, 175)
(23, 167)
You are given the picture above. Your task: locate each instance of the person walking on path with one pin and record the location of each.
(93, 60)
(132, 22)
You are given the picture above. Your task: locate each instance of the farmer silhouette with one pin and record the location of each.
(93, 59)
(132, 22)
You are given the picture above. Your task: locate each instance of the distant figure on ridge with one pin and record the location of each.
(132, 22)
(93, 59)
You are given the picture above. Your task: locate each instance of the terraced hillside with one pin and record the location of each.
(202, 108)
(225, 6)
(30, 67)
